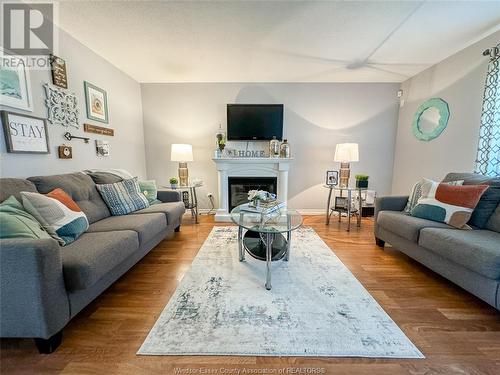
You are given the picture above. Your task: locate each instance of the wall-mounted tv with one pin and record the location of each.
(257, 122)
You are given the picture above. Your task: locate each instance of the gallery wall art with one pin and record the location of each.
(62, 106)
(15, 86)
(97, 103)
(25, 134)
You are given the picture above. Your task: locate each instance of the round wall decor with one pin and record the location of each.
(431, 119)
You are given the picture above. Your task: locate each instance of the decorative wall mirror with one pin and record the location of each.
(430, 119)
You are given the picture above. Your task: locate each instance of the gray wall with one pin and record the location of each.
(317, 116)
(125, 116)
(459, 80)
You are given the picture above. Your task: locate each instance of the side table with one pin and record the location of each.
(348, 210)
(192, 203)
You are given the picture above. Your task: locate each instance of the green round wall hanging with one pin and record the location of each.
(440, 123)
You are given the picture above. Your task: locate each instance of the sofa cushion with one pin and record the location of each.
(494, 220)
(147, 226)
(93, 255)
(404, 225)
(485, 208)
(13, 186)
(472, 179)
(80, 188)
(477, 250)
(172, 210)
(104, 177)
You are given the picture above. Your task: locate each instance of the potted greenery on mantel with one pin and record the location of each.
(362, 180)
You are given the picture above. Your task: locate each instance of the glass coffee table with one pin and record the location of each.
(266, 237)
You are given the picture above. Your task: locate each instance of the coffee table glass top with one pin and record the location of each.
(281, 221)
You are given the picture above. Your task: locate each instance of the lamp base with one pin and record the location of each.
(183, 174)
(345, 173)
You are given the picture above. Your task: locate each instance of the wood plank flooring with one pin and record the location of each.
(458, 333)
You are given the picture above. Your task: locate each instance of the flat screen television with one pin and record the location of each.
(247, 122)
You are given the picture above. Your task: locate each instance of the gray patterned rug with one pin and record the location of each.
(315, 308)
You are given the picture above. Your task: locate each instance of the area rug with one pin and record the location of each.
(316, 307)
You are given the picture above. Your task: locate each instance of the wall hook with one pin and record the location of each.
(69, 137)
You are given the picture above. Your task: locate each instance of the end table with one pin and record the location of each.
(348, 210)
(192, 203)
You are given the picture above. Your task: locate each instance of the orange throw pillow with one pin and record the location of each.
(64, 198)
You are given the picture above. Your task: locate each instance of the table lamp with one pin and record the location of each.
(182, 153)
(344, 154)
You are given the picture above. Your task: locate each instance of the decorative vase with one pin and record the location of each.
(363, 184)
(173, 186)
(274, 148)
(285, 149)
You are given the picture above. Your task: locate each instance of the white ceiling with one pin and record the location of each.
(277, 41)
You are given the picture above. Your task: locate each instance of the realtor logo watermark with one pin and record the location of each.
(28, 32)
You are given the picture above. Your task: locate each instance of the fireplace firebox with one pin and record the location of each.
(240, 186)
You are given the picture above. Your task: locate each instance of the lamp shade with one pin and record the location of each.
(181, 152)
(346, 152)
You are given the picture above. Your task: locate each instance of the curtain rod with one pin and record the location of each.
(493, 51)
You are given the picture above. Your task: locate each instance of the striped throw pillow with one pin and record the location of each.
(123, 197)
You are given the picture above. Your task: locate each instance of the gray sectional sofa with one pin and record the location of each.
(43, 285)
(469, 258)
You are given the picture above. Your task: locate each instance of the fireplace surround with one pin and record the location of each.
(260, 168)
(238, 188)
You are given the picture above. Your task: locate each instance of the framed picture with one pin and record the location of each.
(332, 178)
(97, 103)
(25, 134)
(15, 86)
(59, 75)
(102, 148)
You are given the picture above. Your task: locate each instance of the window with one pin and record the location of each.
(488, 152)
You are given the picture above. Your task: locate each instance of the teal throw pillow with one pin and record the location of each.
(149, 189)
(15, 222)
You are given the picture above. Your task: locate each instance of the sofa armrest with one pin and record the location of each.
(169, 196)
(34, 301)
(390, 203)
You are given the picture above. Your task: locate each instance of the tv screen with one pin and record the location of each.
(254, 121)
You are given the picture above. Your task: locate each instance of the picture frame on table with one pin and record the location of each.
(332, 178)
(25, 134)
(96, 101)
(15, 85)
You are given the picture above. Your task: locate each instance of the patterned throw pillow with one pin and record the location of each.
(150, 191)
(447, 203)
(58, 213)
(416, 193)
(15, 222)
(123, 197)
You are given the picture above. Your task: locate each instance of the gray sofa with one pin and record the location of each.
(43, 285)
(469, 258)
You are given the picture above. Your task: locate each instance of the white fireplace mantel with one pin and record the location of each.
(249, 167)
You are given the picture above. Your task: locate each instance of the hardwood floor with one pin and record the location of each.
(458, 333)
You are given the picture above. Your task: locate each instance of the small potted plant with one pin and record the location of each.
(174, 182)
(362, 181)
